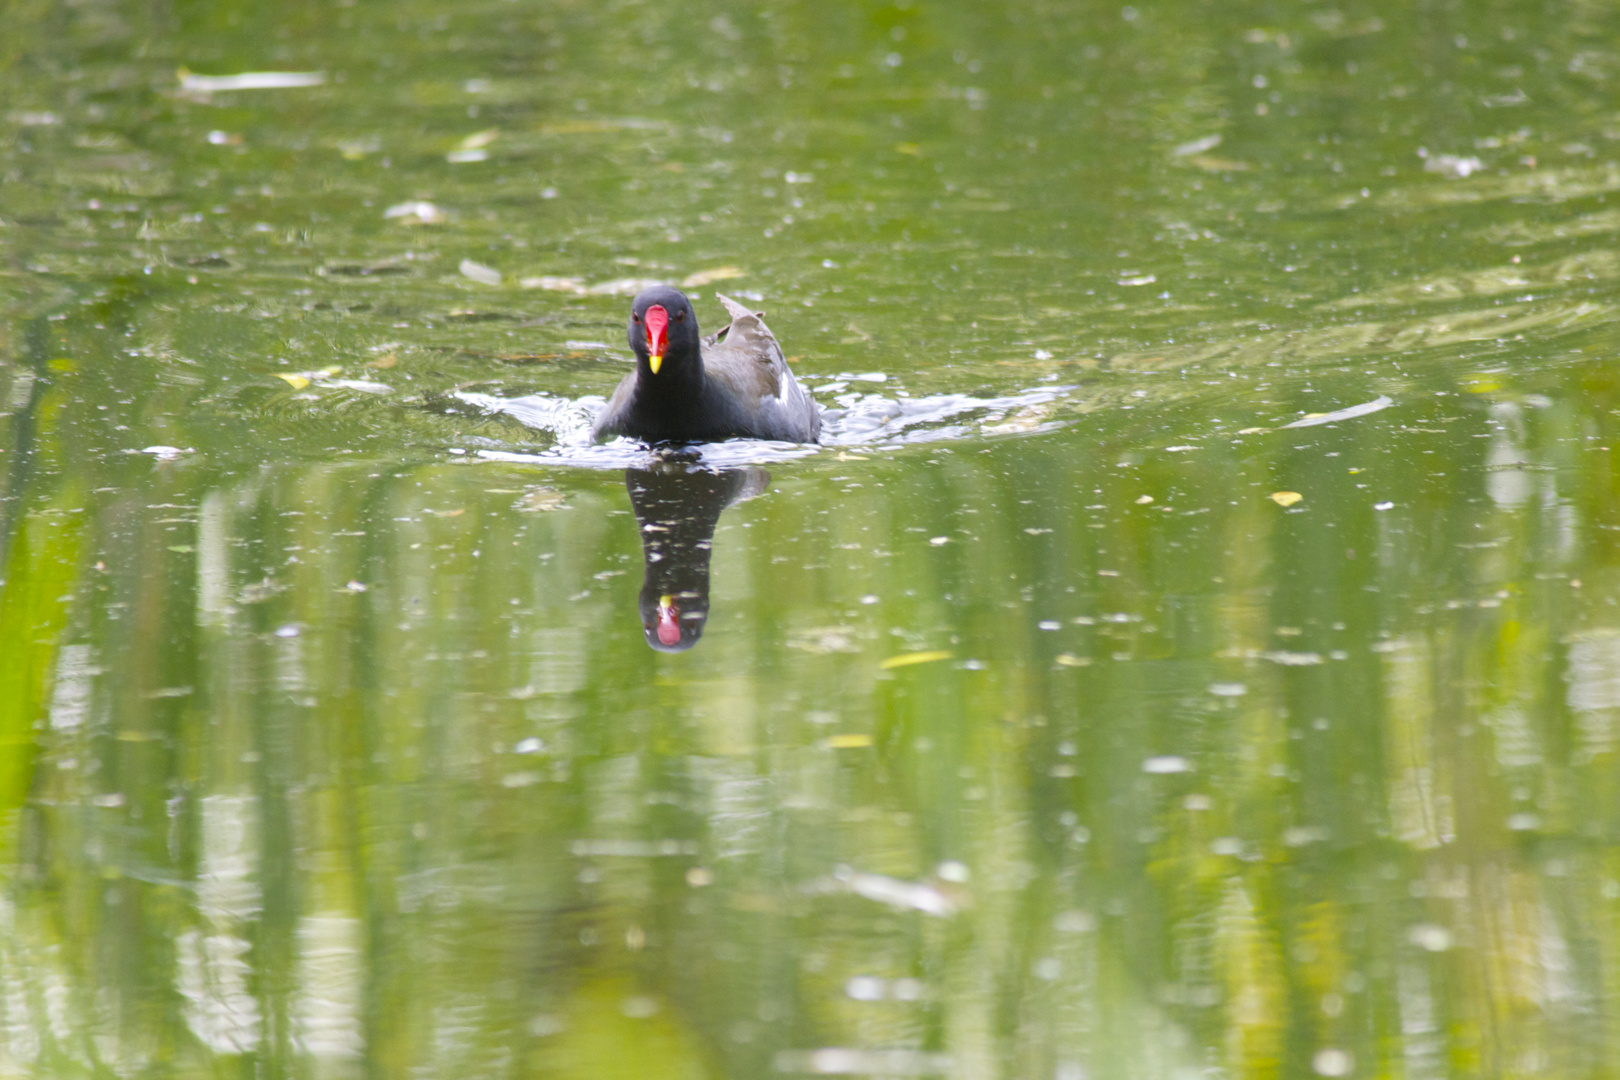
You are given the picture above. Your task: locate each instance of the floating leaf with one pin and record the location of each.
(249, 80)
(484, 275)
(1197, 146)
(849, 742)
(1286, 498)
(1219, 165)
(415, 212)
(907, 659)
(297, 382)
(1312, 419)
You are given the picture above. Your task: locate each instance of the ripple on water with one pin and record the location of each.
(867, 420)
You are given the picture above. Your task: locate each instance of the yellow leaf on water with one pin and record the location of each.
(1286, 498)
(1071, 660)
(907, 659)
(297, 382)
(849, 742)
(1219, 165)
(479, 140)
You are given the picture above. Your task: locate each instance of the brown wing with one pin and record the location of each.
(746, 357)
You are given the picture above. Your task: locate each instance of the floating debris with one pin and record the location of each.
(365, 386)
(1458, 168)
(164, 453)
(1293, 659)
(1197, 146)
(910, 895)
(1168, 763)
(484, 275)
(1285, 498)
(249, 80)
(538, 500)
(472, 148)
(1375, 405)
(416, 212)
(908, 659)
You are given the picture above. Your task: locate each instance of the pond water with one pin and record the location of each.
(1194, 651)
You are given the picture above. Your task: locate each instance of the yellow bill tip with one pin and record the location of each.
(653, 362)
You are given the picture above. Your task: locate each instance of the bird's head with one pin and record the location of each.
(663, 330)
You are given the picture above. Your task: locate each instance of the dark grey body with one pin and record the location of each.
(735, 383)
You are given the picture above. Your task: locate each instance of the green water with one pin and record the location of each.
(1102, 728)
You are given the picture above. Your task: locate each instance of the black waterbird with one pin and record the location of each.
(687, 388)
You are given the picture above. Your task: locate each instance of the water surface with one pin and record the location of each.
(1196, 649)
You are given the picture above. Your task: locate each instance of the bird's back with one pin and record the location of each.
(745, 364)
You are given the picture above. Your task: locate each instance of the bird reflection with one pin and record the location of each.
(678, 503)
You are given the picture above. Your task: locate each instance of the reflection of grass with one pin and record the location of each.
(610, 1031)
(41, 568)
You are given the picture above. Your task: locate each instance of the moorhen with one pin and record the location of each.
(690, 389)
(677, 504)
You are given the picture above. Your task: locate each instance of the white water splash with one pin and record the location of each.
(869, 421)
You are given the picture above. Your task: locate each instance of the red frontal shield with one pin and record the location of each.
(657, 321)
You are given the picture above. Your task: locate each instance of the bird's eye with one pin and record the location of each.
(635, 318)
(680, 316)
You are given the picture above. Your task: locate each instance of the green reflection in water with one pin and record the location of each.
(1064, 744)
